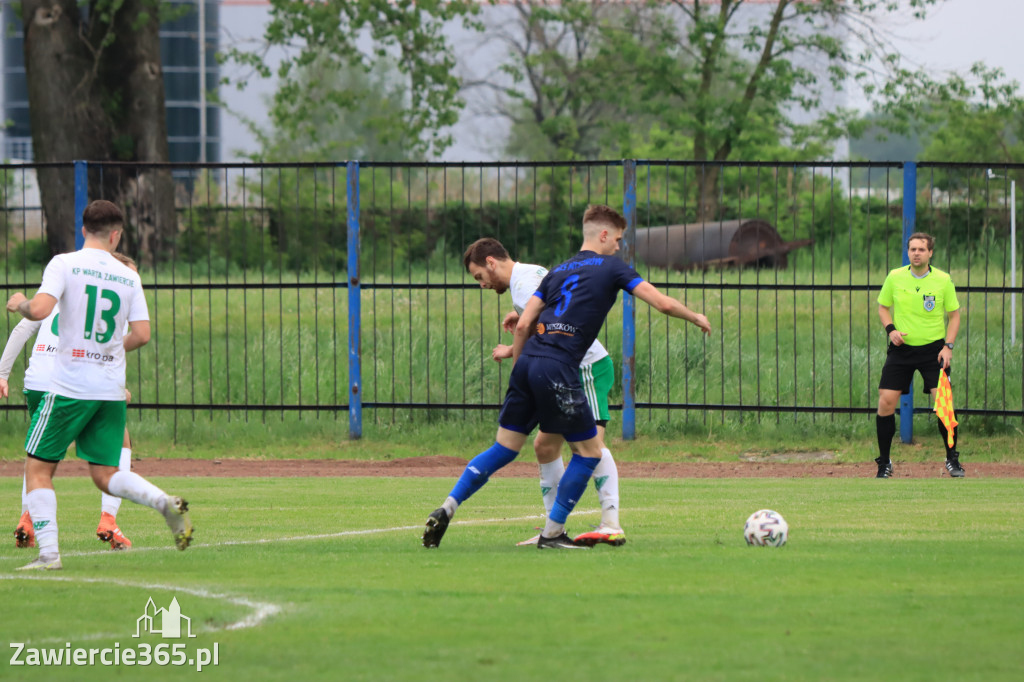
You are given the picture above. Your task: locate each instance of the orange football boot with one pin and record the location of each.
(24, 534)
(108, 531)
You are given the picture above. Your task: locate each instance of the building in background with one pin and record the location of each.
(190, 73)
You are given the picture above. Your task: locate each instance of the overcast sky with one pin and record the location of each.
(955, 35)
(960, 32)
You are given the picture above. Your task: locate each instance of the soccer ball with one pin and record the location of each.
(766, 528)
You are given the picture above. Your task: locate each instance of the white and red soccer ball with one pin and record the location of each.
(766, 528)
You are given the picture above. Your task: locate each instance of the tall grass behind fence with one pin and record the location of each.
(249, 295)
(428, 327)
(805, 338)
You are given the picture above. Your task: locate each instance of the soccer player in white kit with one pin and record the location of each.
(489, 263)
(97, 296)
(36, 384)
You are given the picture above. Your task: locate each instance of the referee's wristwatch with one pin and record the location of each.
(949, 345)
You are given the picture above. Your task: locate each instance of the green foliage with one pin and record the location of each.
(405, 34)
(171, 11)
(973, 118)
(559, 100)
(344, 112)
(730, 77)
(231, 239)
(704, 81)
(981, 121)
(29, 255)
(294, 219)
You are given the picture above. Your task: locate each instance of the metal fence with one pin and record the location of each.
(310, 290)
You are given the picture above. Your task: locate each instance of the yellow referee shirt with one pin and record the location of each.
(919, 305)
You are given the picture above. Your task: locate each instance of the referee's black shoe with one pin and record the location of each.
(885, 468)
(953, 466)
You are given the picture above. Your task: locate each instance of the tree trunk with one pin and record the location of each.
(99, 100)
(66, 123)
(146, 195)
(707, 188)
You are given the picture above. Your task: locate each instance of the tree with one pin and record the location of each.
(96, 92)
(979, 118)
(779, 60)
(730, 75)
(554, 86)
(367, 126)
(362, 34)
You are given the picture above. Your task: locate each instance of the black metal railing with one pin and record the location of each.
(251, 282)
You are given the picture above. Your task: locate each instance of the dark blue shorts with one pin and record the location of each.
(547, 392)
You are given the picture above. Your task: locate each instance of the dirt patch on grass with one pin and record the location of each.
(810, 465)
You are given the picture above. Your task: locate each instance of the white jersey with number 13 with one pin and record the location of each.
(97, 295)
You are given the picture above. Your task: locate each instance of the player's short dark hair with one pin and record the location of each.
(604, 215)
(102, 216)
(927, 238)
(478, 251)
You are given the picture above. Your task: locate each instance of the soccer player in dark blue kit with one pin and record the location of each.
(554, 331)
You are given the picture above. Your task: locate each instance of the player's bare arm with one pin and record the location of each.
(527, 325)
(648, 293)
(501, 352)
(952, 329)
(138, 336)
(35, 308)
(885, 315)
(15, 344)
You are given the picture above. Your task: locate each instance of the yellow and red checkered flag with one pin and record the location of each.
(944, 406)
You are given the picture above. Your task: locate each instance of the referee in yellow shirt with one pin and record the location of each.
(913, 305)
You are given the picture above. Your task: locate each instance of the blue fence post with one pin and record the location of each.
(355, 375)
(81, 199)
(909, 217)
(629, 304)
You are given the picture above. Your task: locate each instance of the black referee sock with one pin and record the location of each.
(950, 451)
(886, 428)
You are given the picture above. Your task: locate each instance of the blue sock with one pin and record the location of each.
(571, 487)
(480, 469)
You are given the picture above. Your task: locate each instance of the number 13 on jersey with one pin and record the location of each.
(108, 315)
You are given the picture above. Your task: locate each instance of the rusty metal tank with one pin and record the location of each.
(730, 243)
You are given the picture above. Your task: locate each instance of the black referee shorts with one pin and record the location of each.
(902, 361)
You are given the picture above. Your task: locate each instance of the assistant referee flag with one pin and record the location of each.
(944, 406)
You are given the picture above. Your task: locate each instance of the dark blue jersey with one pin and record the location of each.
(577, 296)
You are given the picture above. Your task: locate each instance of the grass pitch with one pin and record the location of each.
(325, 579)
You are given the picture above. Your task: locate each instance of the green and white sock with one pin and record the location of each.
(550, 475)
(42, 506)
(606, 480)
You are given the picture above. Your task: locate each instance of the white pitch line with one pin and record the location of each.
(260, 610)
(301, 538)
